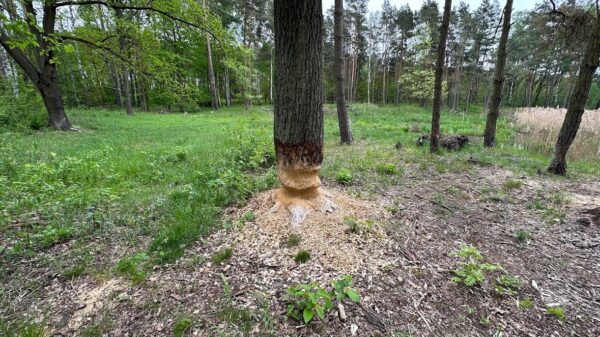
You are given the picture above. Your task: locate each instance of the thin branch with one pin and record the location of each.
(139, 8)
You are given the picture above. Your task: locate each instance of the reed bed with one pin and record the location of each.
(537, 130)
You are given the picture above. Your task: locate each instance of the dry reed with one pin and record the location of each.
(537, 130)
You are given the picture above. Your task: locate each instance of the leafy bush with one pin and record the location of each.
(342, 289)
(305, 301)
(23, 111)
(308, 301)
(472, 270)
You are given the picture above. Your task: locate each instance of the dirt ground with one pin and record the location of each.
(401, 267)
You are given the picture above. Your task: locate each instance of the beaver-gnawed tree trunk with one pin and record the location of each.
(439, 72)
(343, 119)
(298, 121)
(489, 136)
(576, 107)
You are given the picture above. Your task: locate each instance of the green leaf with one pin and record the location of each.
(353, 295)
(308, 315)
(320, 311)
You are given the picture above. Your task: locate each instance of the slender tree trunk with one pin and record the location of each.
(575, 111)
(489, 136)
(343, 119)
(212, 86)
(227, 91)
(439, 71)
(271, 78)
(125, 84)
(214, 97)
(298, 122)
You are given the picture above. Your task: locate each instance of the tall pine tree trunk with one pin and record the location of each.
(343, 119)
(489, 136)
(575, 111)
(298, 122)
(439, 71)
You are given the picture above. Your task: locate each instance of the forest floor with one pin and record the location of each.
(126, 258)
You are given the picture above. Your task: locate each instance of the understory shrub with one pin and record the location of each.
(23, 111)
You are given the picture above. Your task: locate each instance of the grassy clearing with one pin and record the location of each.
(162, 180)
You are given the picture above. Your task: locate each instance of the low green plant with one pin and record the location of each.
(386, 168)
(305, 301)
(134, 267)
(512, 184)
(523, 236)
(472, 270)
(181, 326)
(508, 285)
(558, 312)
(248, 217)
(343, 177)
(230, 313)
(22, 329)
(342, 289)
(302, 256)
(293, 240)
(222, 255)
(526, 303)
(358, 227)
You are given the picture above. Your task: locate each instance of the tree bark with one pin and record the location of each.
(212, 86)
(439, 71)
(489, 136)
(125, 83)
(298, 121)
(575, 111)
(343, 119)
(214, 97)
(45, 77)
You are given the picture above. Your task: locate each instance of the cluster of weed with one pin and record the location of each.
(523, 236)
(557, 312)
(386, 168)
(508, 284)
(302, 256)
(344, 177)
(472, 269)
(222, 255)
(134, 267)
(196, 205)
(307, 301)
(293, 240)
(358, 227)
(512, 184)
(55, 196)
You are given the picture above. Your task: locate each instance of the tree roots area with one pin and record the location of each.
(474, 253)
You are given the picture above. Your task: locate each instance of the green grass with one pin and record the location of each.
(166, 178)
